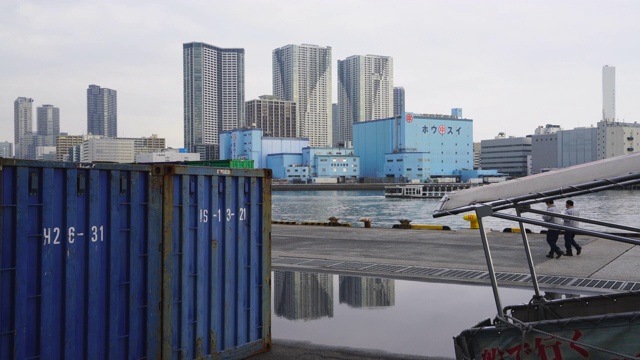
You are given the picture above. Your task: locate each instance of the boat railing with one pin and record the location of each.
(522, 205)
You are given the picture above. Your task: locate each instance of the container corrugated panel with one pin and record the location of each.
(79, 259)
(216, 261)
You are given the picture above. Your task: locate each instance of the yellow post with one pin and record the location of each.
(473, 221)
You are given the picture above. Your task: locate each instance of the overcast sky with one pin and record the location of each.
(510, 65)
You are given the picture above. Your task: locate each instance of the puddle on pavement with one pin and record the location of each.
(397, 316)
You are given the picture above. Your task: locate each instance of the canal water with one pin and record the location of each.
(615, 206)
(397, 316)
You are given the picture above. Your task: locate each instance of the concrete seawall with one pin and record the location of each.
(320, 187)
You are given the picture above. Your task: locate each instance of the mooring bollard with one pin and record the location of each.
(473, 221)
(333, 221)
(405, 224)
(366, 221)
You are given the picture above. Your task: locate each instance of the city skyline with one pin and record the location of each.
(492, 59)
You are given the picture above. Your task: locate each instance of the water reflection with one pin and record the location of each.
(398, 316)
(302, 295)
(365, 292)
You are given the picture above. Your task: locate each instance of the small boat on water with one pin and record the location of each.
(425, 191)
(588, 327)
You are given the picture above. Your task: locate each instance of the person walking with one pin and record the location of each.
(569, 236)
(552, 234)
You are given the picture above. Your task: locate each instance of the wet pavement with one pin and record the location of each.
(462, 249)
(339, 250)
(286, 349)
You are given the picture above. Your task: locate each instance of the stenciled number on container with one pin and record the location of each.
(46, 234)
(94, 233)
(204, 215)
(52, 235)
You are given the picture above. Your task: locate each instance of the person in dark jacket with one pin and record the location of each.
(569, 236)
(552, 234)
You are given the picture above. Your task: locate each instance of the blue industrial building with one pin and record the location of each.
(331, 162)
(249, 144)
(412, 146)
(290, 158)
(288, 166)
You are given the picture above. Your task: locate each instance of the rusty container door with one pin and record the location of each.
(216, 261)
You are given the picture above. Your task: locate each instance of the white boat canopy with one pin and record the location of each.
(575, 180)
(519, 194)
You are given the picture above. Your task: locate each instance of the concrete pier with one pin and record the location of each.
(462, 250)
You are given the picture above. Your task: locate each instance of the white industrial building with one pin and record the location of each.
(107, 150)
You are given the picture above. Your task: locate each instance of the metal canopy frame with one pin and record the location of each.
(622, 171)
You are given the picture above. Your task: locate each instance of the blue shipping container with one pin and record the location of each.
(129, 261)
(76, 261)
(216, 261)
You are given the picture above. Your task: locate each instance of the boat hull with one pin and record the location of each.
(576, 328)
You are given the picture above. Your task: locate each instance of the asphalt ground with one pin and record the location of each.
(460, 249)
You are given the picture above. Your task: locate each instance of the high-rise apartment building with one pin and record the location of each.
(365, 91)
(608, 93)
(48, 119)
(22, 124)
(398, 101)
(276, 118)
(302, 74)
(102, 111)
(213, 96)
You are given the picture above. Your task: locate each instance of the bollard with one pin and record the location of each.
(366, 221)
(333, 221)
(405, 224)
(473, 220)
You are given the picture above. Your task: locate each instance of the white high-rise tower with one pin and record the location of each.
(302, 73)
(608, 93)
(365, 91)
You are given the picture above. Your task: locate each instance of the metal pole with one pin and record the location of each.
(492, 274)
(583, 231)
(527, 251)
(584, 220)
